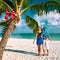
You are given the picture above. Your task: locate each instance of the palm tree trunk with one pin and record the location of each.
(5, 37)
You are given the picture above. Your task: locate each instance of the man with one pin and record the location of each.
(45, 35)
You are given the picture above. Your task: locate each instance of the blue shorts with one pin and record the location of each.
(39, 41)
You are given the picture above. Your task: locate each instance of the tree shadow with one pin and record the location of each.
(22, 51)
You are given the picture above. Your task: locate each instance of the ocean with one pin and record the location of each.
(54, 36)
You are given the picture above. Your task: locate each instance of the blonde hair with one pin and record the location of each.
(39, 30)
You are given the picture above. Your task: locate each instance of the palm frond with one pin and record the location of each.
(7, 4)
(39, 8)
(44, 6)
(31, 23)
(5, 28)
(1, 8)
(25, 4)
(0, 5)
(55, 5)
(5, 25)
(15, 6)
(19, 2)
(14, 1)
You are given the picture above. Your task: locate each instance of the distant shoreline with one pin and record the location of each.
(24, 39)
(54, 36)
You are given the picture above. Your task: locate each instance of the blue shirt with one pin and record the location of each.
(45, 33)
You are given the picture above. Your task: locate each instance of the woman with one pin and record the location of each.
(46, 37)
(39, 41)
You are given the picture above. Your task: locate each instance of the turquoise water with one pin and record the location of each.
(23, 35)
(54, 36)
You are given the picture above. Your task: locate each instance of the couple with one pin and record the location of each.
(42, 42)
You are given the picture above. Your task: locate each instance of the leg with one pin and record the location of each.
(44, 52)
(41, 49)
(47, 52)
(47, 47)
(38, 50)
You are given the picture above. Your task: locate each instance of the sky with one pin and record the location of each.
(53, 19)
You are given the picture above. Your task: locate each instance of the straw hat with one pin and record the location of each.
(39, 30)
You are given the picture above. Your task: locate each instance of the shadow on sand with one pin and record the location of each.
(22, 51)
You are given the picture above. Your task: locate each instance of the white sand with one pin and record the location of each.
(24, 49)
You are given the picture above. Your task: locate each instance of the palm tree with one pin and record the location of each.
(21, 6)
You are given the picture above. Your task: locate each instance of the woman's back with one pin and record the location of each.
(38, 35)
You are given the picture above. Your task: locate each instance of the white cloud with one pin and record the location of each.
(38, 19)
(59, 23)
(54, 23)
(21, 23)
(52, 17)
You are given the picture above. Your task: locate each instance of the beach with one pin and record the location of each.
(24, 49)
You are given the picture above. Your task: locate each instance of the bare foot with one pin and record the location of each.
(46, 54)
(40, 54)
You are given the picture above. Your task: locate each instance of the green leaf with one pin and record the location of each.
(45, 6)
(7, 4)
(19, 2)
(25, 4)
(5, 25)
(31, 23)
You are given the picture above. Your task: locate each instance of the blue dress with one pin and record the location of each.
(39, 40)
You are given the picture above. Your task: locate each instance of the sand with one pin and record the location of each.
(24, 49)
